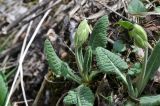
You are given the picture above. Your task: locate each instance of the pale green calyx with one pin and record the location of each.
(139, 35)
(81, 34)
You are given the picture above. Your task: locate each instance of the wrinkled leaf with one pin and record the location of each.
(59, 67)
(67, 72)
(98, 37)
(136, 7)
(81, 96)
(52, 58)
(108, 62)
(150, 100)
(71, 98)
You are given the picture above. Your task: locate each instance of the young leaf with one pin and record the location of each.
(108, 62)
(81, 34)
(68, 73)
(136, 7)
(150, 100)
(52, 58)
(139, 35)
(98, 37)
(126, 24)
(81, 96)
(71, 98)
(58, 66)
(3, 90)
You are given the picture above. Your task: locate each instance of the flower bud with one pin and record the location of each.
(139, 35)
(81, 33)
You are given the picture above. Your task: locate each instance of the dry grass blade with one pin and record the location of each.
(24, 54)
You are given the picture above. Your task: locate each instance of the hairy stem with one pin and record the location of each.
(79, 59)
(140, 82)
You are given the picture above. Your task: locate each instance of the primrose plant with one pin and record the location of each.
(149, 66)
(82, 95)
(110, 63)
(107, 62)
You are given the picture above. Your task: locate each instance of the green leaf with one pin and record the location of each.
(126, 24)
(3, 90)
(98, 37)
(52, 58)
(81, 34)
(67, 72)
(81, 96)
(108, 62)
(136, 7)
(59, 67)
(119, 46)
(157, 9)
(150, 100)
(139, 35)
(152, 65)
(71, 98)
